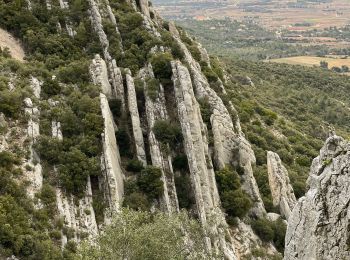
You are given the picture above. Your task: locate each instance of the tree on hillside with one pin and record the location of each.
(324, 64)
(143, 235)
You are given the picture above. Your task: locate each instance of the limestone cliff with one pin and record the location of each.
(318, 227)
(115, 112)
(281, 189)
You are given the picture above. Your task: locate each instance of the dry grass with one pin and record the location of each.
(7, 40)
(314, 61)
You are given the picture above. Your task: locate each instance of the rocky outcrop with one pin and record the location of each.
(69, 27)
(114, 74)
(33, 173)
(29, 5)
(245, 241)
(156, 110)
(199, 160)
(113, 177)
(135, 119)
(231, 147)
(281, 189)
(99, 75)
(144, 6)
(318, 227)
(78, 214)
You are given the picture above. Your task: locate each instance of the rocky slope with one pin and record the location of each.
(134, 113)
(318, 227)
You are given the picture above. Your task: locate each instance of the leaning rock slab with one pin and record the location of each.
(281, 189)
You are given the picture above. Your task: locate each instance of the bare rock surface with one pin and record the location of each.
(281, 189)
(318, 227)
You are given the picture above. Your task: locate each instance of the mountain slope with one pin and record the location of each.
(115, 108)
(120, 114)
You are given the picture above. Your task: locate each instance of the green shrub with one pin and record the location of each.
(263, 228)
(167, 132)
(49, 149)
(161, 65)
(76, 72)
(152, 88)
(271, 231)
(279, 228)
(150, 183)
(183, 190)
(176, 51)
(227, 180)
(51, 87)
(74, 169)
(206, 110)
(10, 103)
(136, 201)
(134, 166)
(7, 159)
(47, 196)
(115, 106)
(180, 162)
(236, 203)
(123, 141)
(196, 54)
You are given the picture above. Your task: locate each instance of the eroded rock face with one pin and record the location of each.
(99, 75)
(78, 214)
(144, 7)
(199, 160)
(156, 110)
(230, 145)
(245, 240)
(34, 174)
(281, 189)
(113, 182)
(318, 227)
(135, 119)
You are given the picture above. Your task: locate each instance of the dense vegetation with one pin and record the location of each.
(307, 103)
(142, 235)
(250, 41)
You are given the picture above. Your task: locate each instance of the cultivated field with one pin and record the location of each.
(314, 61)
(291, 15)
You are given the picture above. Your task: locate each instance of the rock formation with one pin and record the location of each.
(318, 227)
(113, 179)
(99, 75)
(34, 175)
(135, 119)
(156, 110)
(199, 160)
(281, 189)
(231, 147)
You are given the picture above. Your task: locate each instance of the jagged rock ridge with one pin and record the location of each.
(318, 227)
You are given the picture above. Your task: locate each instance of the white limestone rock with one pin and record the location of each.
(135, 119)
(318, 227)
(33, 173)
(156, 110)
(56, 130)
(110, 160)
(230, 146)
(99, 75)
(281, 189)
(144, 6)
(245, 240)
(199, 161)
(114, 74)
